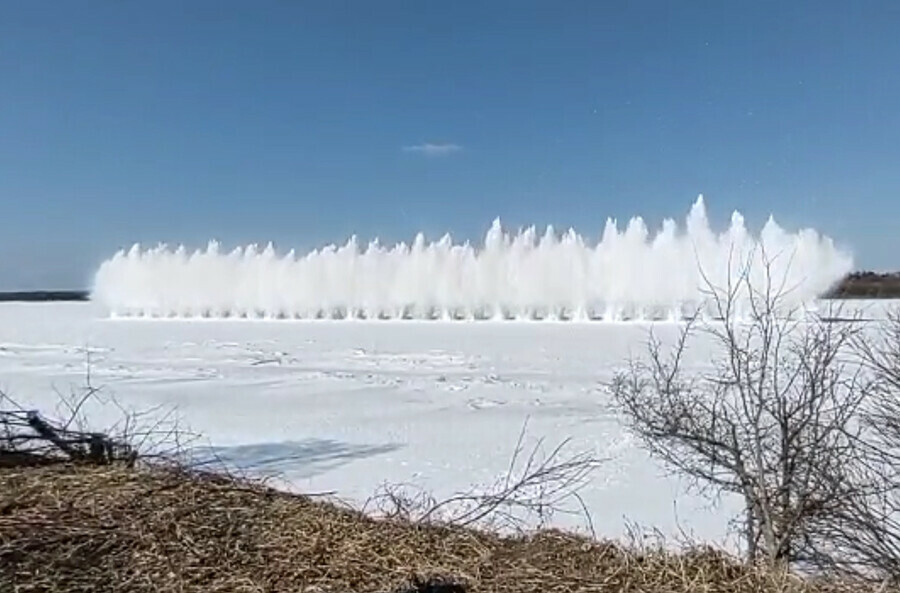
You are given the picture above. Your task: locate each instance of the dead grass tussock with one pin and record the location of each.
(110, 528)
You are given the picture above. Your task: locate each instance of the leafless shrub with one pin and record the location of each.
(775, 420)
(71, 430)
(535, 487)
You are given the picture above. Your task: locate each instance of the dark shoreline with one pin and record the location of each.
(38, 296)
(858, 285)
(867, 285)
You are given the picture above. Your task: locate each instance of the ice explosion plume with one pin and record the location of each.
(628, 274)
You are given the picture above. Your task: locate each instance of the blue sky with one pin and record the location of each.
(304, 122)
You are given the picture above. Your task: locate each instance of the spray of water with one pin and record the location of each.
(628, 274)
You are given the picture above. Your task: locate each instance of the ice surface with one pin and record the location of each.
(346, 407)
(627, 274)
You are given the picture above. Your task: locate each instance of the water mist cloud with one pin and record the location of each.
(628, 273)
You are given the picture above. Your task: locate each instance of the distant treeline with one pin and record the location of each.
(45, 295)
(867, 285)
(858, 285)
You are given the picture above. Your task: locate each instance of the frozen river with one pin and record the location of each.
(347, 406)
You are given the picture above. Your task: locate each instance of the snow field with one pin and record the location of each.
(348, 407)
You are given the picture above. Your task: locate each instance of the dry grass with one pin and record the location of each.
(80, 528)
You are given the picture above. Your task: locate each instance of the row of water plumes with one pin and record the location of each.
(629, 273)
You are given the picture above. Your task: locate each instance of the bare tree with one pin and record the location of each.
(773, 421)
(864, 539)
(879, 351)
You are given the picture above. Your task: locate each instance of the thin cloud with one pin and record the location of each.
(433, 149)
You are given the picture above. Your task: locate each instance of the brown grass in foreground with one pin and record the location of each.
(80, 528)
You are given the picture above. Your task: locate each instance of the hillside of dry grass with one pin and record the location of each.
(67, 527)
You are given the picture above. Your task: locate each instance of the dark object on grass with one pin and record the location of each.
(434, 585)
(27, 438)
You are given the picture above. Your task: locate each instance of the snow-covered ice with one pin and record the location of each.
(347, 406)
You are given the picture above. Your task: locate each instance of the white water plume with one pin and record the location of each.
(628, 274)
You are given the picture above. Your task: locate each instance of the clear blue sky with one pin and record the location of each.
(297, 121)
